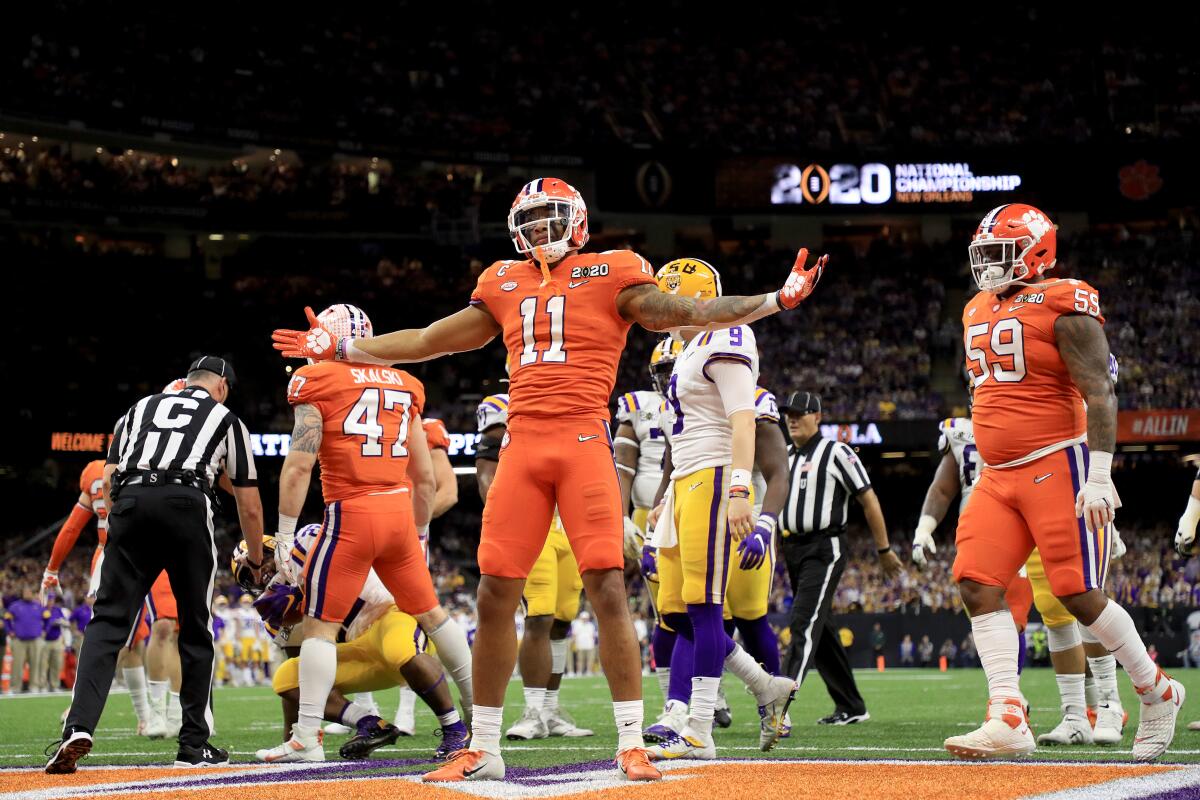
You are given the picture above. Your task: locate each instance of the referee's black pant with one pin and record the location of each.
(815, 564)
(151, 529)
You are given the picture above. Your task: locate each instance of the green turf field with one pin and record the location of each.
(912, 711)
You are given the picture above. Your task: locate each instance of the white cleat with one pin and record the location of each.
(338, 729)
(772, 710)
(304, 745)
(1156, 728)
(155, 726)
(1004, 734)
(558, 723)
(688, 744)
(1072, 730)
(529, 726)
(407, 723)
(1110, 724)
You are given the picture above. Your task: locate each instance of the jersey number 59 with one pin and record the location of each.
(1002, 354)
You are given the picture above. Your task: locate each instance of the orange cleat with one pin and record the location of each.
(634, 763)
(468, 765)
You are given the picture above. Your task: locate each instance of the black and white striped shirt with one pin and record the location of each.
(182, 431)
(823, 475)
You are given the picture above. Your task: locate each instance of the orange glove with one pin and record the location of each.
(801, 282)
(316, 343)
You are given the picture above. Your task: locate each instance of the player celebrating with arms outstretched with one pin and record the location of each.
(564, 315)
(1036, 352)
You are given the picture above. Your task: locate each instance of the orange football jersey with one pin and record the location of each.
(1025, 401)
(564, 339)
(436, 434)
(91, 483)
(367, 412)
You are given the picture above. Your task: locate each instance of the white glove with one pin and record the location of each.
(923, 539)
(49, 584)
(283, 557)
(1096, 502)
(633, 540)
(1185, 534)
(1118, 546)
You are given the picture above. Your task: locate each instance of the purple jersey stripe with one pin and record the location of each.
(713, 514)
(1073, 457)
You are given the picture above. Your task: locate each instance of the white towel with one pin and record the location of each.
(665, 534)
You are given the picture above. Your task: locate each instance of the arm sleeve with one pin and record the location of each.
(849, 470)
(735, 384)
(239, 456)
(68, 535)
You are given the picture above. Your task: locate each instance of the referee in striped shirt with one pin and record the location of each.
(823, 475)
(166, 455)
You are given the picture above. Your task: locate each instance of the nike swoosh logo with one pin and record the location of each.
(469, 772)
(583, 438)
(1015, 308)
(694, 487)
(1041, 478)
(574, 285)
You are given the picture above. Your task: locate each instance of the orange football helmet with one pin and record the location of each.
(1013, 245)
(557, 204)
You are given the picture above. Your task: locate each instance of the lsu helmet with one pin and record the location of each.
(689, 277)
(241, 569)
(279, 606)
(560, 206)
(662, 362)
(1013, 245)
(343, 319)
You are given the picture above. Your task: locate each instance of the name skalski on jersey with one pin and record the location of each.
(361, 375)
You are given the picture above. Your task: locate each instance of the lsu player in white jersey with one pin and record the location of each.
(1085, 671)
(550, 600)
(226, 640)
(708, 505)
(248, 625)
(378, 647)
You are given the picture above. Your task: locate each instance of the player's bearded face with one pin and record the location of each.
(545, 223)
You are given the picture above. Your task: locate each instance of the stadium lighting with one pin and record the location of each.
(216, 237)
(34, 139)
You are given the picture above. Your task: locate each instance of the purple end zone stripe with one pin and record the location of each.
(718, 484)
(333, 536)
(1072, 454)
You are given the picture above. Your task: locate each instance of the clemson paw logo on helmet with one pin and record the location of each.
(318, 341)
(1037, 224)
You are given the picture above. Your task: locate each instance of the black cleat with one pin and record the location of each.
(373, 733)
(207, 755)
(722, 718)
(844, 718)
(67, 752)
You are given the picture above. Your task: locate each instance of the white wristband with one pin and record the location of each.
(286, 524)
(740, 477)
(1099, 467)
(1191, 516)
(926, 525)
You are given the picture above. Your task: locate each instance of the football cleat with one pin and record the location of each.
(634, 763)
(468, 765)
(1072, 730)
(786, 730)
(669, 723)
(454, 738)
(688, 744)
(844, 718)
(1156, 728)
(155, 726)
(559, 723)
(372, 733)
(722, 717)
(1004, 734)
(207, 755)
(529, 726)
(67, 752)
(305, 744)
(772, 707)
(1110, 724)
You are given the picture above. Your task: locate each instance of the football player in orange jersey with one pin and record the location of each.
(363, 423)
(564, 315)
(1045, 420)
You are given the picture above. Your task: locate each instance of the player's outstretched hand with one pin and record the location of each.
(801, 281)
(316, 343)
(923, 541)
(49, 584)
(891, 565)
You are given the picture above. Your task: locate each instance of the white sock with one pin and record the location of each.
(352, 713)
(174, 708)
(1116, 631)
(485, 728)
(664, 681)
(535, 698)
(1070, 692)
(558, 656)
(455, 655)
(550, 706)
(996, 642)
(449, 718)
(318, 668)
(158, 695)
(703, 705)
(135, 679)
(408, 704)
(1104, 670)
(1090, 695)
(367, 700)
(628, 715)
(743, 665)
